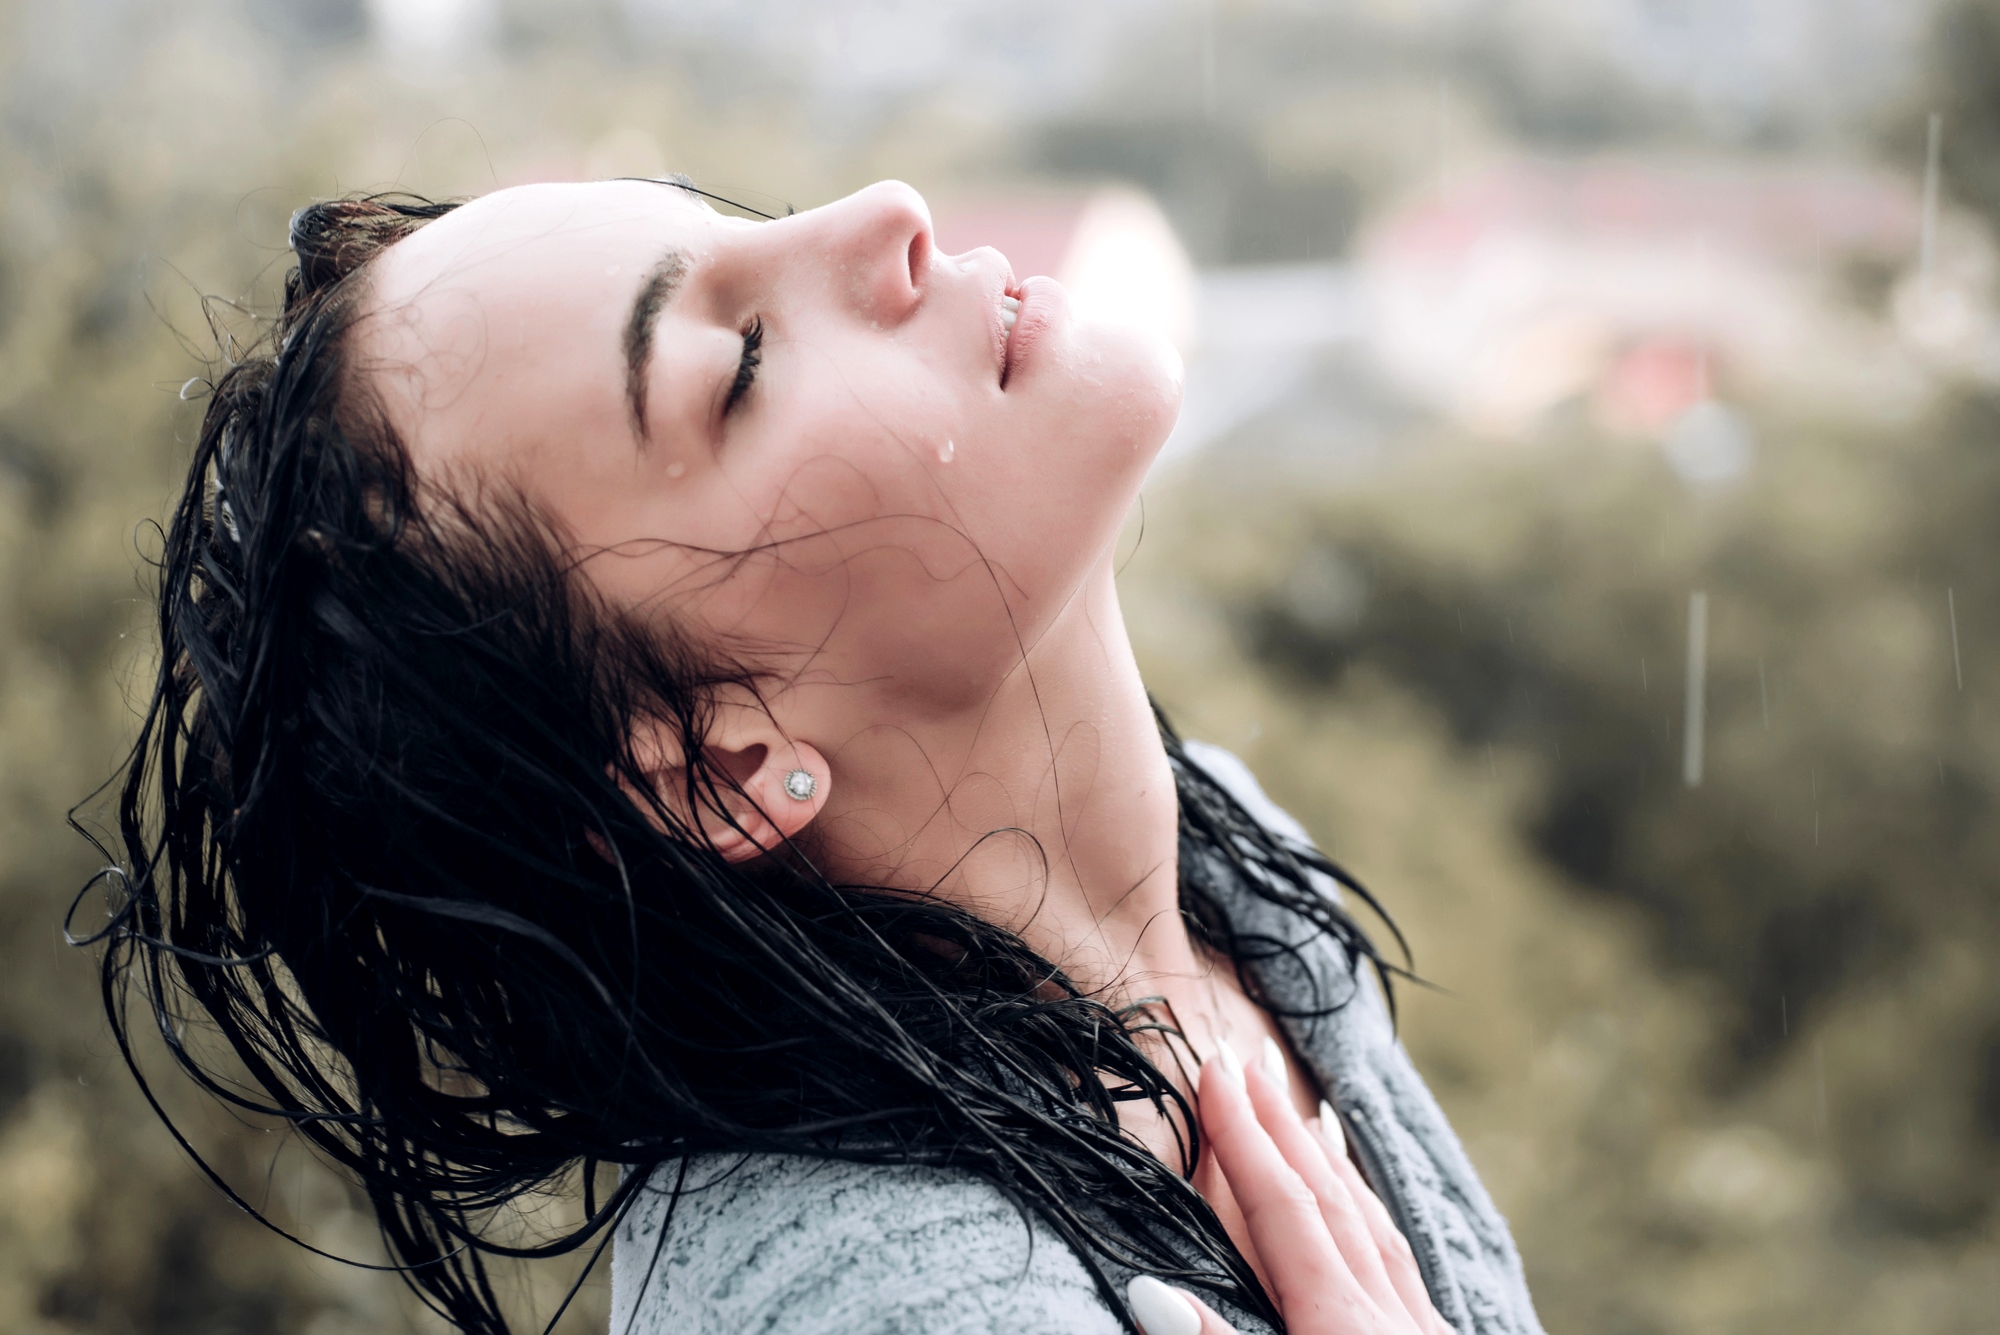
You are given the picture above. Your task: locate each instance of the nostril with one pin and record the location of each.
(919, 256)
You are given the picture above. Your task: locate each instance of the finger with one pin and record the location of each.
(1163, 1310)
(1270, 1096)
(1308, 1276)
(1211, 1324)
(1397, 1257)
(1214, 1188)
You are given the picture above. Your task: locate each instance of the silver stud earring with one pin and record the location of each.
(800, 785)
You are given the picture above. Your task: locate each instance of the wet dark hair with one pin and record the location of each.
(380, 839)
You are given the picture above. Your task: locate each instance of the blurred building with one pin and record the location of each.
(1647, 295)
(1111, 248)
(1637, 286)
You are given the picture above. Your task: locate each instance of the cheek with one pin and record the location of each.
(899, 603)
(882, 554)
(861, 564)
(1121, 389)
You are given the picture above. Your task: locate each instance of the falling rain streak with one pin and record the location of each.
(1443, 131)
(1819, 1070)
(1697, 689)
(1208, 57)
(1951, 611)
(1927, 244)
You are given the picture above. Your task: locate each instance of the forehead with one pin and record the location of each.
(564, 225)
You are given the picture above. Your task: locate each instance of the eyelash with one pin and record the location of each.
(746, 369)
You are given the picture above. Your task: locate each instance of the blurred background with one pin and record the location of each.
(1583, 518)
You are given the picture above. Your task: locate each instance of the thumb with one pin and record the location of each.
(1162, 1310)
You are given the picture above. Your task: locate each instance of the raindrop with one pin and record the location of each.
(1927, 245)
(1819, 1068)
(1443, 130)
(1763, 695)
(1815, 801)
(1697, 688)
(1951, 608)
(676, 468)
(1208, 58)
(946, 451)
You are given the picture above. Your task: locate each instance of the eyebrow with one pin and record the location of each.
(652, 296)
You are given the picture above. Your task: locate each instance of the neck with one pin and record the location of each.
(1049, 809)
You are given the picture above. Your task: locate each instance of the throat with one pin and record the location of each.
(1049, 808)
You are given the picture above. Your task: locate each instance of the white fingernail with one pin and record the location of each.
(1330, 1130)
(1274, 1060)
(1226, 1058)
(1161, 1310)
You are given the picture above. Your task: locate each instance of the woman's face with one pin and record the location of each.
(813, 441)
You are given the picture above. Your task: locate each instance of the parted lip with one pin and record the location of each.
(1007, 333)
(1042, 301)
(1008, 287)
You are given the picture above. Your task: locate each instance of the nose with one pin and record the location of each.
(880, 243)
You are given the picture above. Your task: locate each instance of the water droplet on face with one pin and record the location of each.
(945, 451)
(676, 468)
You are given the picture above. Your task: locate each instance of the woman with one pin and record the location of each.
(644, 688)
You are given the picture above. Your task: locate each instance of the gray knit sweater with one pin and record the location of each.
(779, 1245)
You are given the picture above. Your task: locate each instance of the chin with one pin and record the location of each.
(1138, 375)
(1117, 413)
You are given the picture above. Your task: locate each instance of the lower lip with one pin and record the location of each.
(1044, 304)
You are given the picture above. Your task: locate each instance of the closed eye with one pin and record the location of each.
(746, 367)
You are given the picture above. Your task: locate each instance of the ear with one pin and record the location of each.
(783, 781)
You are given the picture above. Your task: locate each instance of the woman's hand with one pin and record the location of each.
(1324, 1245)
